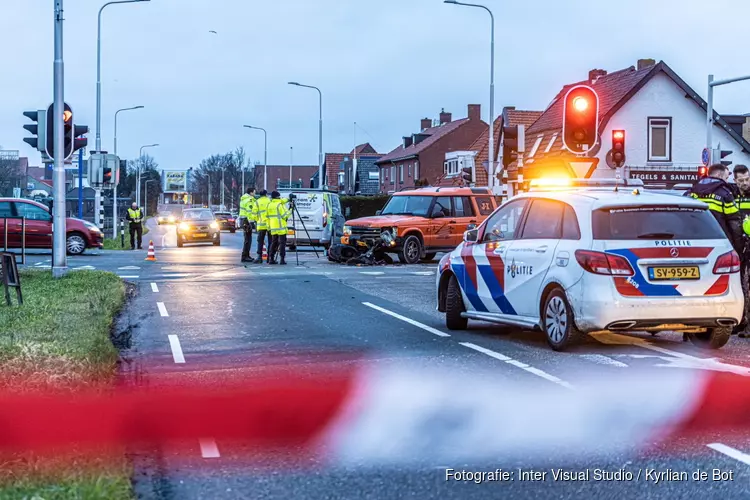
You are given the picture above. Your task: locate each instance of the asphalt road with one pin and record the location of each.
(198, 304)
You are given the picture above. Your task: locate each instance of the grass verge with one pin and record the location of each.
(60, 340)
(114, 243)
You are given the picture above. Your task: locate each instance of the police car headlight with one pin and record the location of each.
(347, 230)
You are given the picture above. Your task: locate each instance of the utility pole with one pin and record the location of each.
(354, 163)
(291, 162)
(59, 255)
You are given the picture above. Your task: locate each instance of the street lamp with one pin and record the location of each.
(265, 155)
(491, 165)
(320, 132)
(145, 196)
(99, 71)
(138, 174)
(117, 176)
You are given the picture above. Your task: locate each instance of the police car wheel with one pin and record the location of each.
(557, 321)
(411, 250)
(454, 306)
(712, 338)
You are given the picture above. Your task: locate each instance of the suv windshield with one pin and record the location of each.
(407, 205)
(197, 215)
(655, 222)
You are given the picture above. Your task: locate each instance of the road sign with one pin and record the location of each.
(584, 167)
(704, 156)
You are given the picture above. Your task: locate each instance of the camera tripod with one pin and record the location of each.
(293, 206)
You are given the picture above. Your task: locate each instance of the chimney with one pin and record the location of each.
(594, 74)
(426, 123)
(444, 117)
(474, 112)
(645, 63)
(408, 141)
(746, 129)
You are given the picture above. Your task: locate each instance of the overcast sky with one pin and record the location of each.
(381, 63)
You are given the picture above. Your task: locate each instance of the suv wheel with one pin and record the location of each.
(557, 321)
(411, 250)
(712, 338)
(75, 244)
(454, 306)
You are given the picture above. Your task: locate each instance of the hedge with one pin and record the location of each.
(355, 207)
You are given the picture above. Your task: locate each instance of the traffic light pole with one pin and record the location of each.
(80, 183)
(710, 109)
(59, 256)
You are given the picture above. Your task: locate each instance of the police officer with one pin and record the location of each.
(261, 220)
(278, 213)
(247, 220)
(135, 217)
(716, 192)
(742, 197)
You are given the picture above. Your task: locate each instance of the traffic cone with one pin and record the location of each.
(151, 253)
(265, 255)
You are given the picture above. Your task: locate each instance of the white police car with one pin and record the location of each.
(589, 257)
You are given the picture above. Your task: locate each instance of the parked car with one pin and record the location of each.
(423, 221)
(227, 221)
(80, 234)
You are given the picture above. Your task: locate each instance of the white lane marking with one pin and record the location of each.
(82, 268)
(372, 273)
(408, 320)
(209, 448)
(154, 288)
(162, 309)
(164, 241)
(177, 355)
(422, 273)
(686, 360)
(603, 360)
(129, 267)
(516, 363)
(176, 275)
(730, 452)
(128, 277)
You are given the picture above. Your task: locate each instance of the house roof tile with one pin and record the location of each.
(434, 133)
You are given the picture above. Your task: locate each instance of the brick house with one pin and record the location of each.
(278, 176)
(420, 159)
(664, 121)
(509, 117)
(368, 174)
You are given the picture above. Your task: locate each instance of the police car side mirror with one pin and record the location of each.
(471, 235)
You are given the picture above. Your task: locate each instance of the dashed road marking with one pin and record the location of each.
(84, 268)
(128, 276)
(422, 273)
(603, 360)
(209, 448)
(730, 452)
(518, 364)
(372, 273)
(154, 288)
(162, 309)
(128, 267)
(177, 355)
(407, 320)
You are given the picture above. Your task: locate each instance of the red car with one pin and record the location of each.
(80, 234)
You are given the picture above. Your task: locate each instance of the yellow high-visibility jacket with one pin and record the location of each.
(260, 212)
(277, 214)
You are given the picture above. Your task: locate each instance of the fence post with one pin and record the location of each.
(122, 233)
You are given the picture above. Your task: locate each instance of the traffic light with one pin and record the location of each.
(467, 175)
(718, 155)
(79, 141)
(702, 172)
(67, 131)
(618, 147)
(37, 129)
(510, 145)
(580, 119)
(107, 175)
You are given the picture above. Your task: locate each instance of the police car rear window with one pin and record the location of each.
(655, 222)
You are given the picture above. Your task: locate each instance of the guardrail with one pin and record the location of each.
(6, 232)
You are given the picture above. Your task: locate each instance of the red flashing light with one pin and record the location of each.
(618, 134)
(702, 171)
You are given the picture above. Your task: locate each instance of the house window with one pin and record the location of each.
(451, 167)
(659, 139)
(409, 169)
(416, 170)
(401, 173)
(393, 175)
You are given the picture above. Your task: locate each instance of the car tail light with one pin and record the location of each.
(727, 263)
(604, 263)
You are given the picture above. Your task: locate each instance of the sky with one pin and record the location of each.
(383, 64)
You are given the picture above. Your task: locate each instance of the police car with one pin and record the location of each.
(584, 256)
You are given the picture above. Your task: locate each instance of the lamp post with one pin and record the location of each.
(491, 155)
(145, 196)
(265, 155)
(99, 71)
(117, 176)
(138, 174)
(320, 132)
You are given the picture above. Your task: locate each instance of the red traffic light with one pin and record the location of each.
(618, 147)
(580, 119)
(618, 134)
(702, 172)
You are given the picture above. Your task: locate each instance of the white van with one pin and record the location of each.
(318, 219)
